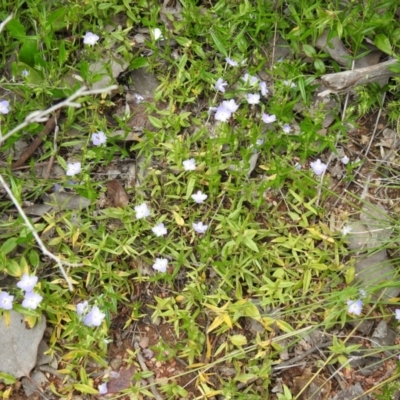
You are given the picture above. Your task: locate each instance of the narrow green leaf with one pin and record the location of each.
(218, 44)
(382, 42)
(8, 246)
(155, 122)
(80, 387)
(16, 29)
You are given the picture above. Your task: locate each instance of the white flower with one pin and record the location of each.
(289, 83)
(4, 107)
(159, 230)
(6, 301)
(94, 317)
(397, 311)
(250, 79)
(259, 142)
(231, 62)
(189, 165)
(222, 114)
(263, 88)
(268, 119)
(345, 160)
(90, 38)
(99, 138)
(286, 128)
(27, 282)
(346, 230)
(318, 167)
(142, 211)
(220, 85)
(199, 197)
(354, 306)
(102, 388)
(253, 98)
(230, 105)
(82, 308)
(157, 34)
(73, 168)
(298, 166)
(138, 98)
(25, 72)
(31, 300)
(199, 227)
(161, 264)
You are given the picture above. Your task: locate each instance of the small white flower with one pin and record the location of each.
(4, 107)
(263, 88)
(99, 138)
(231, 62)
(289, 83)
(94, 317)
(253, 98)
(298, 166)
(157, 34)
(142, 211)
(268, 119)
(161, 264)
(220, 85)
(199, 197)
(231, 105)
(90, 38)
(73, 168)
(6, 301)
(354, 307)
(189, 165)
(318, 167)
(397, 311)
(25, 73)
(260, 142)
(286, 128)
(31, 300)
(27, 282)
(82, 308)
(222, 114)
(102, 388)
(250, 79)
(159, 230)
(345, 160)
(138, 98)
(346, 230)
(199, 227)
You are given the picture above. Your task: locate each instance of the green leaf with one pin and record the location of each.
(250, 244)
(56, 20)
(85, 388)
(218, 44)
(62, 54)
(28, 51)
(309, 50)
(383, 43)
(16, 29)
(238, 340)
(155, 122)
(190, 187)
(7, 378)
(8, 246)
(139, 62)
(14, 269)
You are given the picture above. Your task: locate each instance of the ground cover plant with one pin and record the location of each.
(185, 217)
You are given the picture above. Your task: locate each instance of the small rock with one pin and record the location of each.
(358, 237)
(34, 383)
(351, 393)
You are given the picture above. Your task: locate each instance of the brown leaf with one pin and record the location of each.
(116, 194)
(122, 381)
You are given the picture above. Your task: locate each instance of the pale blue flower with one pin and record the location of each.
(82, 308)
(189, 165)
(27, 282)
(222, 114)
(94, 317)
(345, 160)
(231, 62)
(4, 107)
(25, 73)
(73, 168)
(286, 128)
(253, 98)
(268, 119)
(354, 307)
(99, 138)
(199, 227)
(250, 79)
(220, 85)
(318, 167)
(31, 300)
(159, 230)
(397, 312)
(263, 88)
(103, 388)
(6, 301)
(231, 105)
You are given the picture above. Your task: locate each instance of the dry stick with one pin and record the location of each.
(143, 365)
(36, 236)
(53, 156)
(50, 124)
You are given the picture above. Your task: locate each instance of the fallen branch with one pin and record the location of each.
(346, 80)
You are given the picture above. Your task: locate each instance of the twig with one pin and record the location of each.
(50, 124)
(37, 237)
(5, 22)
(53, 156)
(144, 368)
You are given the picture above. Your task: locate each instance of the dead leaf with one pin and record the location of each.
(122, 381)
(116, 194)
(144, 342)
